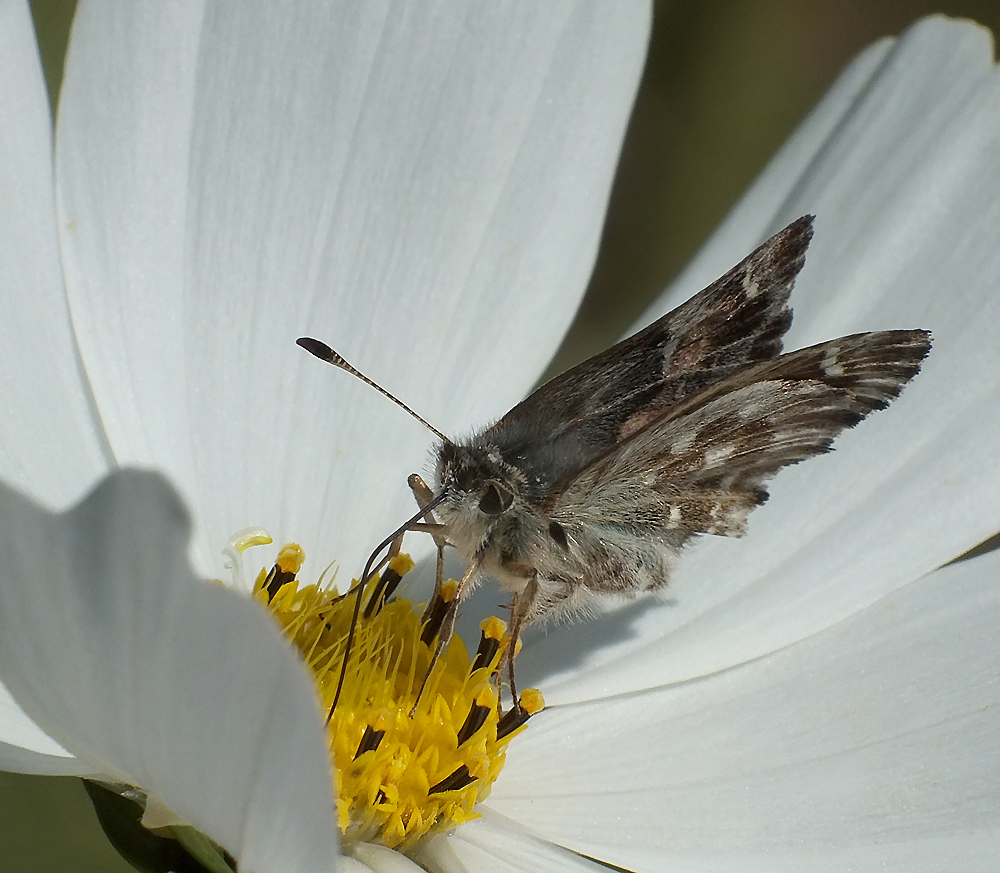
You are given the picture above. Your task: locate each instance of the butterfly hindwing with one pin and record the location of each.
(704, 468)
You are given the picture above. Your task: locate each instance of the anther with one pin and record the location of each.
(459, 779)
(437, 611)
(478, 713)
(286, 566)
(374, 731)
(398, 567)
(493, 630)
(527, 705)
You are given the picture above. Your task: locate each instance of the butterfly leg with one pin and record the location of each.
(522, 610)
(389, 578)
(448, 624)
(423, 495)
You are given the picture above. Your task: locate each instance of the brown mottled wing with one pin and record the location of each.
(702, 468)
(583, 414)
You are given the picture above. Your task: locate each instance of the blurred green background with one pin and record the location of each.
(725, 83)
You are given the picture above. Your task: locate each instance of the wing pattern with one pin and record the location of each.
(702, 468)
(579, 416)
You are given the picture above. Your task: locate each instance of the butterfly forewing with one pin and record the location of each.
(576, 418)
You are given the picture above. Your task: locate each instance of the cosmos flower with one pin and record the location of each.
(817, 695)
(223, 180)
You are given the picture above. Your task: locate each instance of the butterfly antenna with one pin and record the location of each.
(322, 351)
(370, 570)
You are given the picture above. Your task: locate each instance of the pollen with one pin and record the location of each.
(400, 778)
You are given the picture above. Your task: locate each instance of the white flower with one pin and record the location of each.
(817, 696)
(227, 178)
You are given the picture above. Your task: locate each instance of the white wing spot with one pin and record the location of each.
(675, 514)
(751, 286)
(682, 443)
(718, 454)
(829, 364)
(752, 411)
(715, 527)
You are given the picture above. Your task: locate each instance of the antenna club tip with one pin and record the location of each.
(325, 353)
(315, 347)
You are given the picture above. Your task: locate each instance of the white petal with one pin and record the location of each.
(352, 865)
(871, 743)
(380, 859)
(914, 486)
(48, 441)
(26, 748)
(888, 116)
(422, 185)
(496, 844)
(157, 679)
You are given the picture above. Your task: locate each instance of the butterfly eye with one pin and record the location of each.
(497, 499)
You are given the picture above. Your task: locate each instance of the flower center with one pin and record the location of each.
(400, 779)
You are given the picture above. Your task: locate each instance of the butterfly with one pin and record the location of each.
(595, 483)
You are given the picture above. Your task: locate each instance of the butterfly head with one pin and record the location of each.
(480, 490)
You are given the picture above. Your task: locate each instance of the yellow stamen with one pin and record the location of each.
(532, 701)
(399, 779)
